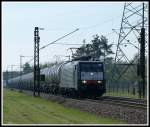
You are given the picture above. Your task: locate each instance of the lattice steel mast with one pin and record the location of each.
(131, 31)
(36, 62)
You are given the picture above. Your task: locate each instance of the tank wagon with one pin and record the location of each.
(74, 78)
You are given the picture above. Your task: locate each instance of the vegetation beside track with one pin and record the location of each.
(19, 108)
(121, 94)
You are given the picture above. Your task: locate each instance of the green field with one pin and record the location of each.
(19, 108)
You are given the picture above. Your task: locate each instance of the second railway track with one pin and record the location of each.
(122, 101)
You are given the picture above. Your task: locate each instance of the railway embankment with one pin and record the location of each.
(129, 114)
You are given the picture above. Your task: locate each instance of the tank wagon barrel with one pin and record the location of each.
(72, 78)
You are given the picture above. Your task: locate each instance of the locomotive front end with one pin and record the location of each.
(91, 78)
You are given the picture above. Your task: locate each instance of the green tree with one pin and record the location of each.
(81, 51)
(98, 48)
(27, 68)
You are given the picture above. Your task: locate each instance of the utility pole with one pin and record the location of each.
(12, 70)
(9, 74)
(142, 56)
(20, 70)
(6, 78)
(36, 61)
(84, 47)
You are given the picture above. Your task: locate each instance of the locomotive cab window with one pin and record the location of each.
(91, 67)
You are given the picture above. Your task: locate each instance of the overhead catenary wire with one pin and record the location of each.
(58, 39)
(55, 41)
(102, 23)
(66, 44)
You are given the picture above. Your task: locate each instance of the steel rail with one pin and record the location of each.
(121, 101)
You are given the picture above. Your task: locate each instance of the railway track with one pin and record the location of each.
(119, 101)
(122, 101)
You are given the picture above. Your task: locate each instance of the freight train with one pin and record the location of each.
(70, 78)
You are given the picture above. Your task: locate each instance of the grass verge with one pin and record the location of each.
(19, 108)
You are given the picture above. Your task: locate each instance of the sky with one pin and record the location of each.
(57, 18)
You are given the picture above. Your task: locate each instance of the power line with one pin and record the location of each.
(56, 41)
(59, 39)
(102, 23)
(66, 44)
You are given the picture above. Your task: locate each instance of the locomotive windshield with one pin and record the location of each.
(91, 67)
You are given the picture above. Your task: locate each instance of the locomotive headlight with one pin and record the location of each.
(99, 81)
(84, 81)
(91, 73)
